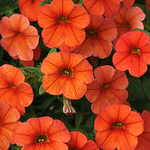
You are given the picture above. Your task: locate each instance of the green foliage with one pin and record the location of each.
(146, 85)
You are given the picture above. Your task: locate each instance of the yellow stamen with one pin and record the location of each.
(67, 71)
(118, 125)
(135, 50)
(127, 25)
(91, 32)
(42, 138)
(105, 85)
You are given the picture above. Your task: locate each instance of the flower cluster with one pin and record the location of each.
(86, 58)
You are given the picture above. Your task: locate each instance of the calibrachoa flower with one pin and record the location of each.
(18, 36)
(144, 138)
(30, 8)
(118, 127)
(9, 117)
(100, 7)
(132, 53)
(13, 89)
(79, 141)
(36, 56)
(42, 133)
(107, 88)
(63, 21)
(128, 19)
(99, 34)
(66, 73)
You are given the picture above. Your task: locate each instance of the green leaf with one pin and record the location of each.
(146, 86)
(78, 120)
(52, 50)
(135, 87)
(41, 90)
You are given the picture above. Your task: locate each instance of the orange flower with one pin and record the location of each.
(9, 117)
(118, 127)
(66, 73)
(63, 21)
(30, 8)
(108, 88)
(128, 19)
(144, 138)
(100, 7)
(147, 4)
(18, 37)
(36, 56)
(42, 133)
(13, 89)
(99, 34)
(79, 141)
(133, 53)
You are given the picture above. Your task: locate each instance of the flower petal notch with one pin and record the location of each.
(13, 89)
(63, 22)
(118, 127)
(42, 133)
(108, 88)
(9, 117)
(30, 8)
(132, 53)
(99, 36)
(66, 73)
(100, 7)
(19, 38)
(79, 141)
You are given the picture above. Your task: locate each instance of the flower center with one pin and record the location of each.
(105, 85)
(13, 86)
(91, 32)
(118, 125)
(63, 19)
(42, 138)
(67, 71)
(127, 25)
(135, 50)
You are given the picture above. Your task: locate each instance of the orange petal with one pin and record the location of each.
(77, 141)
(64, 47)
(8, 130)
(137, 24)
(128, 3)
(31, 37)
(95, 7)
(13, 75)
(37, 53)
(47, 17)
(4, 143)
(52, 64)
(19, 22)
(62, 7)
(74, 36)
(3, 81)
(25, 94)
(54, 36)
(58, 132)
(90, 144)
(27, 63)
(79, 17)
(5, 28)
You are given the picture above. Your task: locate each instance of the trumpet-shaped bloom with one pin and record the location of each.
(99, 34)
(132, 53)
(118, 127)
(66, 73)
(42, 134)
(63, 22)
(128, 19)
(18, 36)
(30, 8)
(79, 141)
(13, 89)
(144, 138)
(108, 88)
(9, 117)
(100, 7)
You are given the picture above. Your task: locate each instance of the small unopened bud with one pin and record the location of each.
(67, 108)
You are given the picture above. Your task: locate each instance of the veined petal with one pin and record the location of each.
(128, 3)
(62, 7)
(79, 17)
(4, 143)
